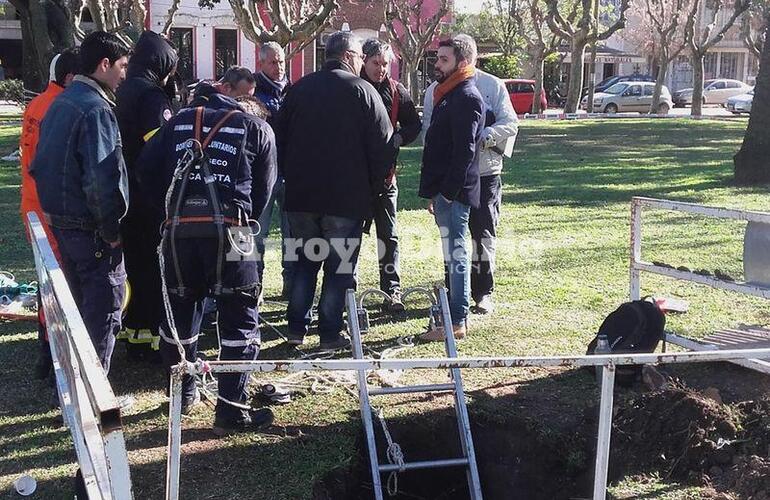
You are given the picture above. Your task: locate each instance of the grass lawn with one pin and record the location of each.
(562, 266)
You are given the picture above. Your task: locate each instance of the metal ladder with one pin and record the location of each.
(468, 460)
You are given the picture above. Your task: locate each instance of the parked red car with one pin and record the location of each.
(522, 92)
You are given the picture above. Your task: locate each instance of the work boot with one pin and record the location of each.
(395, 305)
(190, 402)
(437, 334)
(248, 421)
(485, 305)
(342, 342)
(295, 338)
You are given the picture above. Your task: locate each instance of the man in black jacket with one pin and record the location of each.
(143, 106)
(205, 231)
(450, 168)
(406, 124)
(333, 134)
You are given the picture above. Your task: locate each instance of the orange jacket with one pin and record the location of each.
(30, 134)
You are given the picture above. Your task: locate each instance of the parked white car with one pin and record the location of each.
(630, 96)
(741, 103)
(714, 92)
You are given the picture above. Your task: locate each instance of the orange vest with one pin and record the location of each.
(30, 134)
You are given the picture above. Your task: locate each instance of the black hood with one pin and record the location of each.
(153, 58)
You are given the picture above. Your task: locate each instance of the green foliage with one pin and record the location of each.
(503, 66)
(12, 90)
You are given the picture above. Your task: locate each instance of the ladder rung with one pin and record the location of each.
(430, 464)
(411, 389)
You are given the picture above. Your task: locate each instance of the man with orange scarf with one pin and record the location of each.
(450, 168)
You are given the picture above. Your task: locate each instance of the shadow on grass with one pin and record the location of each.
(606, 162)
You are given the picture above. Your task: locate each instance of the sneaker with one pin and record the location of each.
(295, 338)
(253, 420)
(190, 402)
(335, 345)
(395, 305)
(437, 334)
(485, 305)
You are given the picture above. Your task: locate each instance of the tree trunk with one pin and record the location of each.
(752, 162)
(539, 72)
(409, 78)
(592, 82)
(660, 80)
(36, 44)
(575, 75)
(697, 84)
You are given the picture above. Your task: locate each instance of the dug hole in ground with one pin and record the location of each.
(705, 425)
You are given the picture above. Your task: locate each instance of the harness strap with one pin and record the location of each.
(212, 191)
(203, 218)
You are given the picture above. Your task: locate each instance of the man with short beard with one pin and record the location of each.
(500, 130)
(450, 169)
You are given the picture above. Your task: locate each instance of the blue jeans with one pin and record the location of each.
(340, 238)
(264, 231)
(452, 221)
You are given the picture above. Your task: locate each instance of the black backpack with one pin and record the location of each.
(634, 327)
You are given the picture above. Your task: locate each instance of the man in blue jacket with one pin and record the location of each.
(450, 168)
(272, 86)
(83, 187)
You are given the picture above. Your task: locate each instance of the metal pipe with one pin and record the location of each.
(412, 389)
(484, 362)
(636, 249)
(419, 289)
(605, 433)
(430, 464)
(174, 432)
(372, 291)
(463, 420)
(712, 212)
(745, 288)
(363, 393)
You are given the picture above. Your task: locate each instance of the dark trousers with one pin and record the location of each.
(238, 327)
(483, 226)
(387, 239)
(140, 247)
(333, 242)
(96, 276)
(265, 220)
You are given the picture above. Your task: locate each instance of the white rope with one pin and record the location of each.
(394, 454)
(181, 166)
